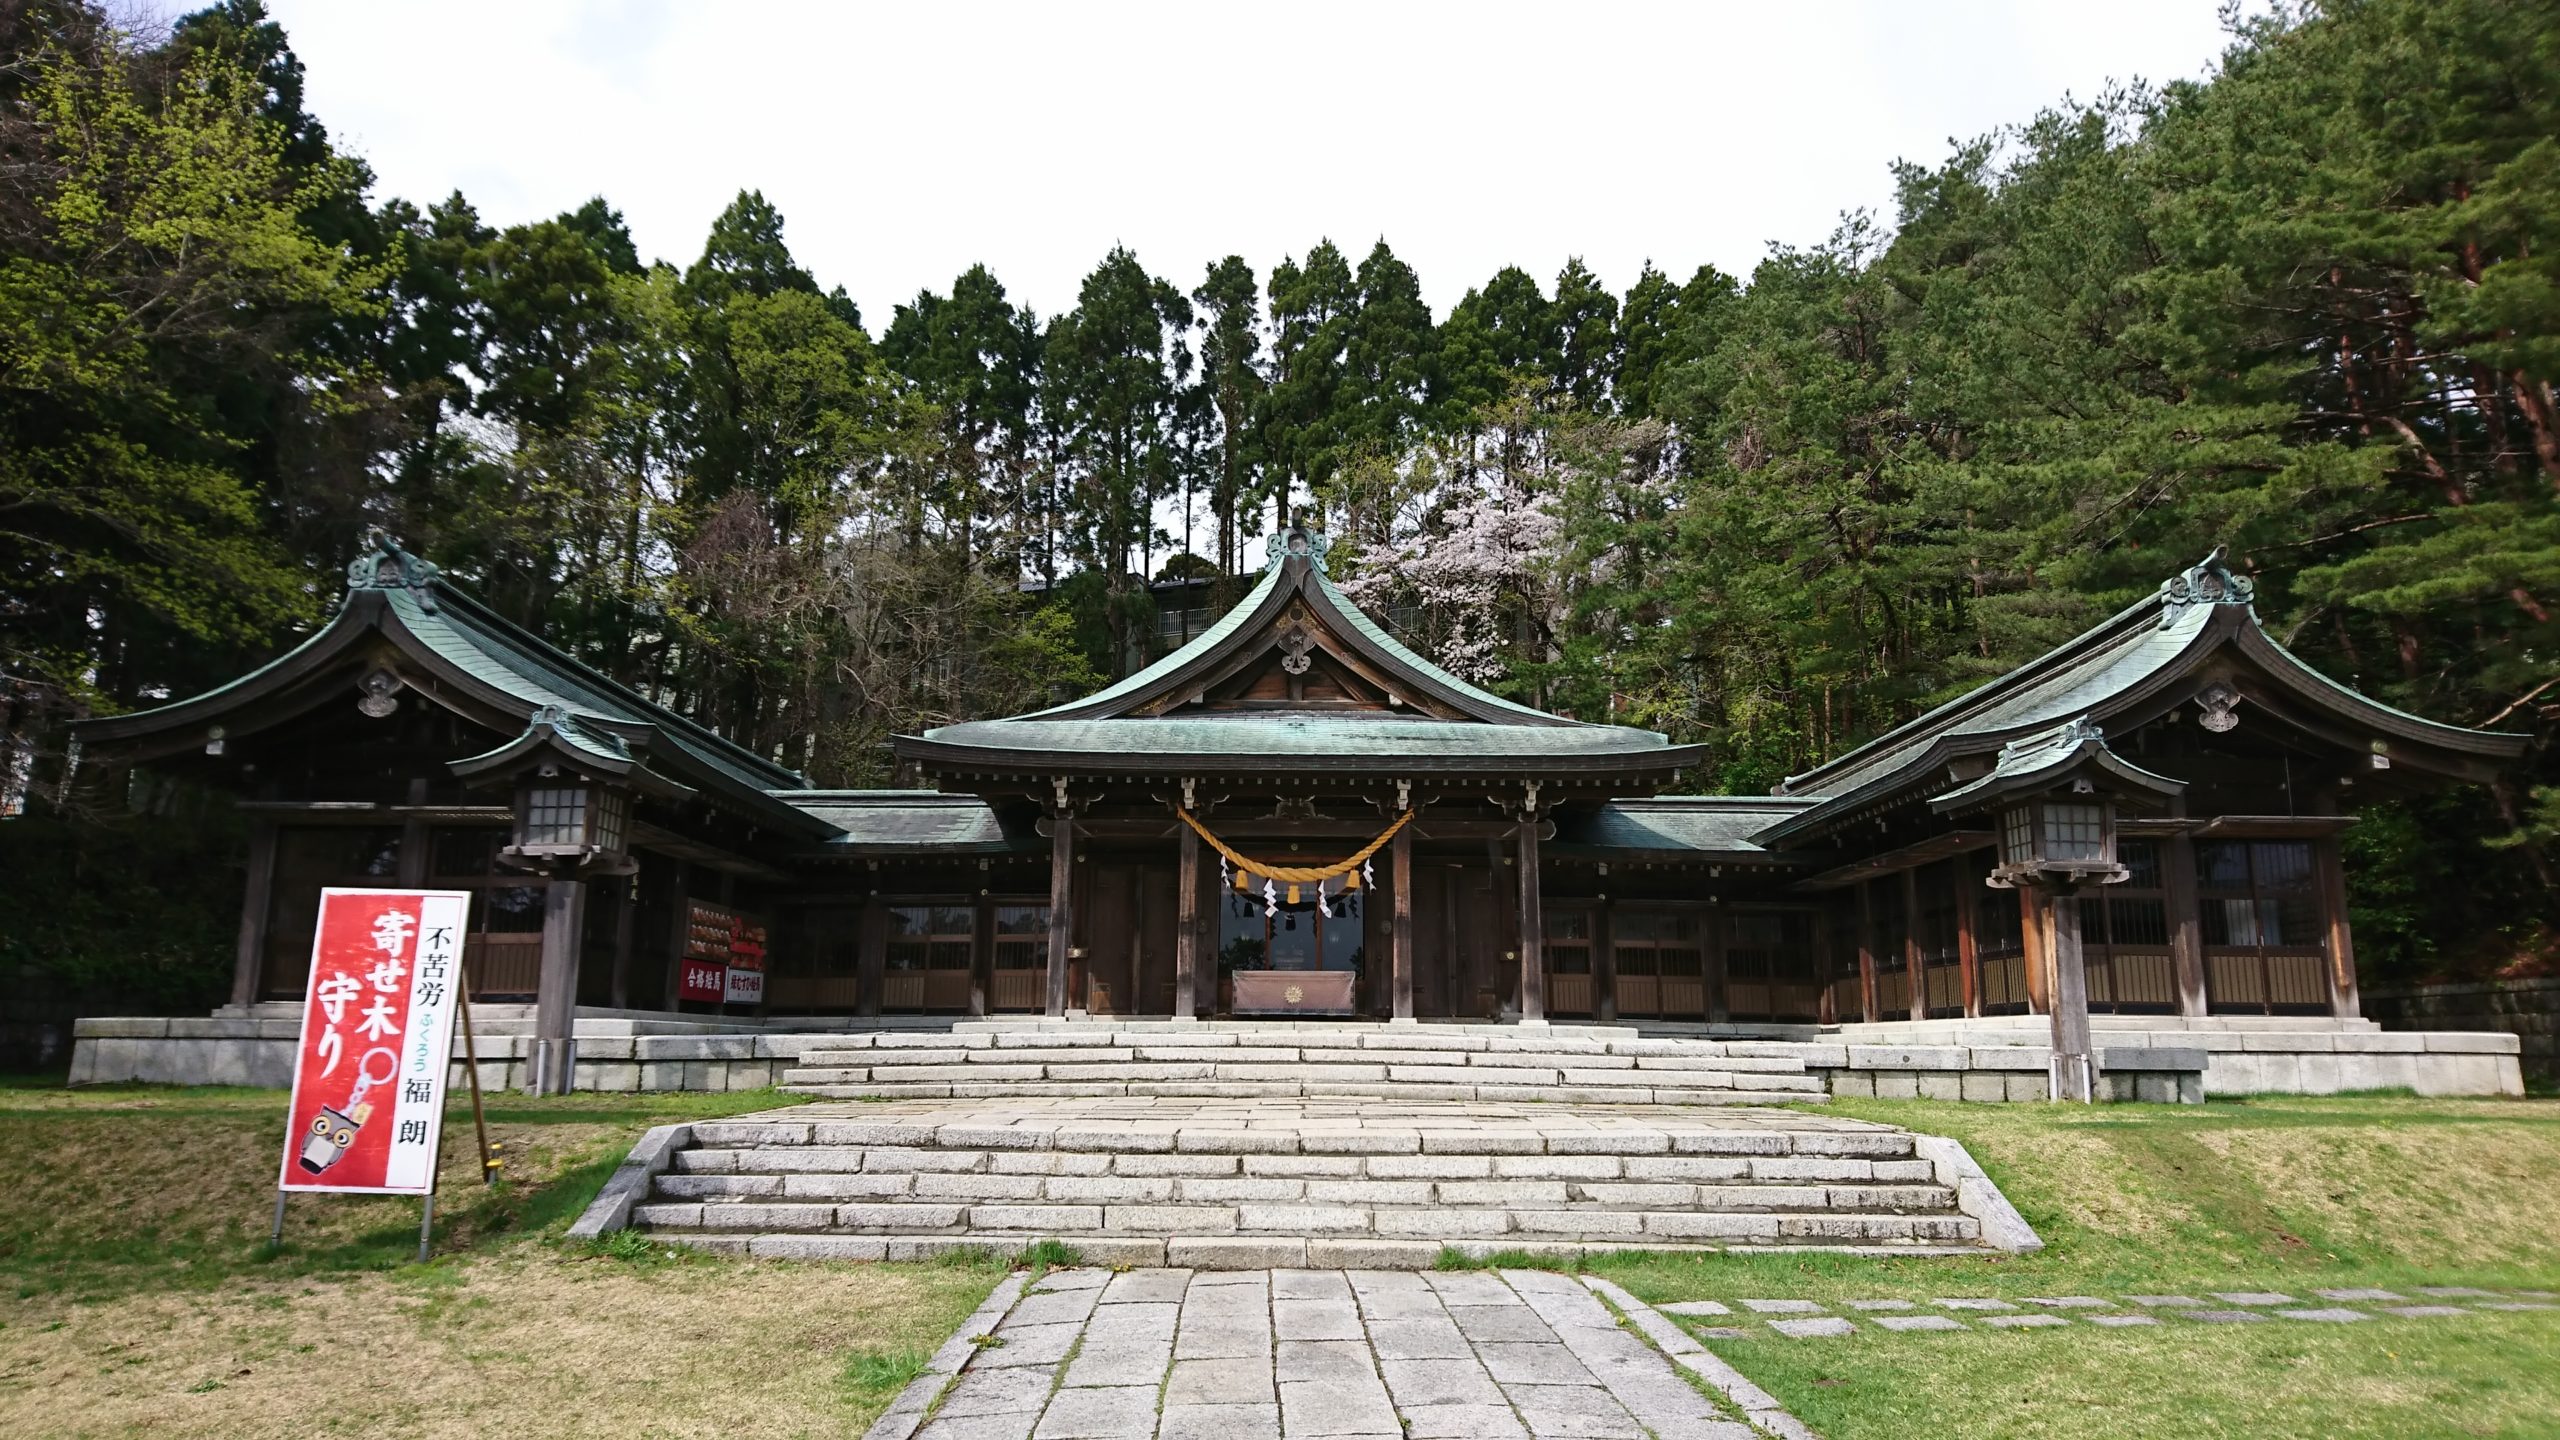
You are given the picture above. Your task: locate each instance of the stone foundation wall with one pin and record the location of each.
(259, 1053)
(2526, 1009)
(2010, 1073)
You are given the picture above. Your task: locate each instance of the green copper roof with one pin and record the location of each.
(2139, 654)
(1293, 737)
(1442, 723)
(890, 822)
(1143, 682)
(1673, 825)
(443, 632)
(2038, 761)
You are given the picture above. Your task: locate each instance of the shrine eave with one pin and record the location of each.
(1366, 744)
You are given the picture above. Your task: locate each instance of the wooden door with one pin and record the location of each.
(1151, 938)
(1101, 982)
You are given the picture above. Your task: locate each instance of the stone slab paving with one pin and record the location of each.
(1168, 1354)
(1806, 1319)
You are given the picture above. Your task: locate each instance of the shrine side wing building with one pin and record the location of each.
(1294, 814)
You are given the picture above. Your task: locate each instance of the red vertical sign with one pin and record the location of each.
(369, 1076)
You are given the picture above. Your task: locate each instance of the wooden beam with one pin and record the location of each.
(1062, 876)
(1604, 962)
(2036, 939)
(256, 901)
(1826, 1010)
(1401, 851)
(2186, 928)
(1186, 925)
(1711, 934)
(1867, 1008)
(680, 929)
(1912, 963)
(1968, 948)
(2344, 998)
(552, 1070)
(982, 954)
(2074, 1067)
(1922, 852)
(626, 901)
(871, 963)
(1533, 932)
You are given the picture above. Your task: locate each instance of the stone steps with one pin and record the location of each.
(1596, 1066)
(1185, 1193)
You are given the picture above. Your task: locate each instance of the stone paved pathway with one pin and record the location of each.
(1741, 1317)
(1085, 1354)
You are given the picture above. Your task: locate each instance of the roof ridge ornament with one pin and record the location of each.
(383, 565)
(1301, 541)
(2208, 582)
(2070, 734)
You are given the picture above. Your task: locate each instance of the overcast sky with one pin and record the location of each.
(905, 142)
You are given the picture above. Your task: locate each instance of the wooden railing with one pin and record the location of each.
(503, 964)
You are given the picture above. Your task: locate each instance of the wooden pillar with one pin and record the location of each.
(413, 847)
(1400, 851)
(1186, 923)
(1533, 928)
(553, 1067)
(2075, 1069)
(1968, 948)
(679, 928)
(1826, 1011)
(871, 962)
(1866, 955)
(2039, 950)
(1062, 878)
(2344, 999)
(626, 901)
(1712, 925)
(1912, 963)
(257, 898)
(1604, 962)
(2186, 924)
(982, 953)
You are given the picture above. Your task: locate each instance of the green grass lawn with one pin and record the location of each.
(139, 1295)
(2283, 1194)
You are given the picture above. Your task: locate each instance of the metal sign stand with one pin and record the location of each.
(489, 1166)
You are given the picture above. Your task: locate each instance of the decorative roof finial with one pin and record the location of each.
(1300, 541)
(2209, 582)
(383, 565)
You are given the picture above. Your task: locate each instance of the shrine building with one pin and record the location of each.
(1293, 814)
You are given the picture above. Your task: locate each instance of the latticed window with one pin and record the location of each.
(613, 819)
(555, 815)
(2125, 928)
(2018, 836)
(2075, 832)
(2265, 925)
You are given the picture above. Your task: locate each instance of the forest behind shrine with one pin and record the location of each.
(2308, 307)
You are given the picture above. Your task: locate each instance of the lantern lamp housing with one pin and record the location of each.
(574, 790)
(2054, 797)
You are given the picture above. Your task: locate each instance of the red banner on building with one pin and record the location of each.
(369, 1077)
(702, 980)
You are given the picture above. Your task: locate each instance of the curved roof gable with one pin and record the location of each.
(2132, 658)
(442, 634)
(1296, 573)
(1296, 670)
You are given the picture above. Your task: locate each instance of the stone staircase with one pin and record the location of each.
(1325, 1182)
(1248, 1060)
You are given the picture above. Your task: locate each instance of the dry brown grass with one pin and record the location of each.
(2447, 1194)
(530, 1342)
